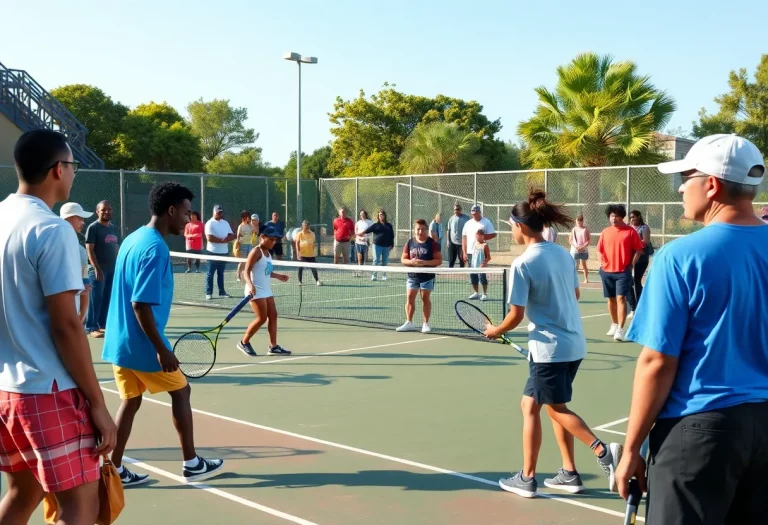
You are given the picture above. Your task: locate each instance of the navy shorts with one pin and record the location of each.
(617, 283)
(551, 383)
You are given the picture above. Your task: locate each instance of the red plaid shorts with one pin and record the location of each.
(51, 435)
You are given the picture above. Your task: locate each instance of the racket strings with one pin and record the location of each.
(474, 318)
(195, 353)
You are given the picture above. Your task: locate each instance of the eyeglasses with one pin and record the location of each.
(74, 163)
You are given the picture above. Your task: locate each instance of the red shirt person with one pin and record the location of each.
(343, 230)
(619, 248)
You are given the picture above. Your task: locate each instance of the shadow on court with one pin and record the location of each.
(226, 453)
(281, 379)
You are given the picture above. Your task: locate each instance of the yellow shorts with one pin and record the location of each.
(133, 383)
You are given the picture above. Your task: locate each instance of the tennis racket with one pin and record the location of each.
(635, 494)
(196, 350)
(477, 320)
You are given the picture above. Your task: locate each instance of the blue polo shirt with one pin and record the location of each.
(705, 302)
(143, 275)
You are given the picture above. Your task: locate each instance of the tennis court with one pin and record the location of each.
(367, 425)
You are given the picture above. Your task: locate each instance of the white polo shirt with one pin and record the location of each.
(218, 229)
(39, 257)
(471, 227)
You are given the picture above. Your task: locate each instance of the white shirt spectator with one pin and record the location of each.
(40, 258)
(360, 227)
(470, 231)
(218, 229)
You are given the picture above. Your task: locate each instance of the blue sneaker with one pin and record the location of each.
(205, 469)
(246, 348)
(278, 350)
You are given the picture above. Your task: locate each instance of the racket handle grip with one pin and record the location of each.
(633, 502)
(237, 308)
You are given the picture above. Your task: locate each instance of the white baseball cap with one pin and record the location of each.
(73, 209)
(728, 157)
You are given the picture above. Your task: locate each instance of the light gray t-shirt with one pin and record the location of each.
(40, 258)
(455, 227)
(544, 281)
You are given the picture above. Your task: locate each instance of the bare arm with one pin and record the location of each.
(654, 376)
(510, 322)
(405, 258)
(253, 257)
(464, 247)
(146, 319)
(489, 236)
(578, 293)
(646, 235)
(91, 250)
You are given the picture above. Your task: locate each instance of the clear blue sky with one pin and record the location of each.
(494, 52)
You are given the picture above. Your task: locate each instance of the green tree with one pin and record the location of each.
(220, 127)
(743, 110)
(314, 166)
(439, 147)
(248, 161)
(100, 114)
(601, 113)
(370, 134)
(156, 137)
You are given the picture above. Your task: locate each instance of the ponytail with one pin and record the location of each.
(537, 212)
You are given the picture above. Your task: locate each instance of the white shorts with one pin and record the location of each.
(260, 293)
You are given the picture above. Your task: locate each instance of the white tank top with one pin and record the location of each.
(260, 275)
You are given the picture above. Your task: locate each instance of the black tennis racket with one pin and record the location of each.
(635, 494)
(477, 320)
(196, 350)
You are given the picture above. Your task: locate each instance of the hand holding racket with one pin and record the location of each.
(478, 321)
(196, 350)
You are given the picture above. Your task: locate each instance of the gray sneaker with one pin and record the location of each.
(516, 485)
(610, 462)
(570, 483)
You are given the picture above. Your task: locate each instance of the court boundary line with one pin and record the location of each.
(606, 427)
(386, 457)
(218, 492)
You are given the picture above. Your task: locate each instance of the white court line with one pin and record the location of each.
(612, 423)
(402, 461)
(611, 431)
(327, 353)
(596, 315)
(220, 493)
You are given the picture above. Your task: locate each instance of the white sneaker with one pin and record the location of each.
(631, 314)
(483, 297)
(475, 296)
(384, 278)
(373, 277)
(208, 297)
(406, 327)
(319, 283)
(425, 329)
(619, 334)
(613, 329)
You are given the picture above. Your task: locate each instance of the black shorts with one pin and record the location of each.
(617, 283)
(277, 249)
(551, 383)
(709, 467)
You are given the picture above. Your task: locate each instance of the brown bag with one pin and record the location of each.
(111, 498)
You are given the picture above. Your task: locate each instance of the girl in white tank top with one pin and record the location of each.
(260, 276)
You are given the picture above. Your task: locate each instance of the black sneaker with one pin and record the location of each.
(246, 348)
(129, 479)
(570, 483)
(516, 485)
(224, 295)
(205, 469)
(278, 350)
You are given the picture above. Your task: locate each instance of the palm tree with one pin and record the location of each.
(439, 147)
(601, 113)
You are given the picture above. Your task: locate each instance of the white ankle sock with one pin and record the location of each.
(119, 469)
(192, 463)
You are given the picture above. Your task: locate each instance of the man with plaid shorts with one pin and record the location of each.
(52, 412)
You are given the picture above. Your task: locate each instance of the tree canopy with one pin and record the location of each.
(743, 110)
(439, 147)
(220, 127)
(314, 166)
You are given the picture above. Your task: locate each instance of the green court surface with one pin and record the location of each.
(369, 426)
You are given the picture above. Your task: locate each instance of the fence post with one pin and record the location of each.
(410, 202)
(498, 228)
(285, 205)
(629, 201)
(357, 205)
(266, 201)
(202, 195)
(546, 182)
(319, 217)
(122, 205)
(663, 223)
(474, 191)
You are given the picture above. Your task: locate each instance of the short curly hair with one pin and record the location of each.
(163, 195)
(618, 209)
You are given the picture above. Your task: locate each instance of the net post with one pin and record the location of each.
(122, 204)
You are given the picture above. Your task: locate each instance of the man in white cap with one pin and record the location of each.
(75, 215)
(218, 233)
(701, 380)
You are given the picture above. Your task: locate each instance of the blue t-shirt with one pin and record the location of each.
(143, 275)
(705, 302)
(543, 280)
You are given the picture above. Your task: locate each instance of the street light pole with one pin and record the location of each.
(295, 57)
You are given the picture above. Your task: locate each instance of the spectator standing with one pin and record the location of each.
(304, 246)
(580, 239)
(468, 239)
(343, 229)
(436, 230)
(644, 231)
(701, 381)
(383, 242)
(455, 228)
(279, 226)
(361, 238)
(619, 249)
(75, 215)
(101, 243)
(193, 234)
(219, 233)
(54, 423)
